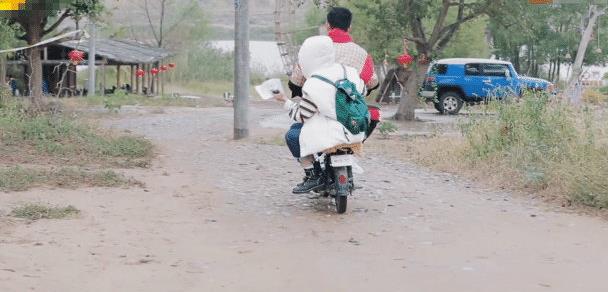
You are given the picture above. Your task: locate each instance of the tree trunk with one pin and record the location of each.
(559, 70)
(409, 96)
(577, 67)
(34, 29)
(2, 70)
(516, 63)
(35, 80)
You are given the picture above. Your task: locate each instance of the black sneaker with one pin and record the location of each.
(311, 182)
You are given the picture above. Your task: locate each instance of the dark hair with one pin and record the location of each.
(339, 17)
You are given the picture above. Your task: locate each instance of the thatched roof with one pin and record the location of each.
(120, 51)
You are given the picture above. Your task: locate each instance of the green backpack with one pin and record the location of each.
(351, 109)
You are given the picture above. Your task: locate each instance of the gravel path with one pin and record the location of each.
(218, 215)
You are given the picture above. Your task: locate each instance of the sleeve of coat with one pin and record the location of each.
(368, 73)
(297, 77)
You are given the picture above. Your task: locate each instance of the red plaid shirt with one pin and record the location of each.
(349, 54)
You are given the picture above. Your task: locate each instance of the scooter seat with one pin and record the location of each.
(356, 149)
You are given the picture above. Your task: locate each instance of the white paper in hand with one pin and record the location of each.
(265, 89)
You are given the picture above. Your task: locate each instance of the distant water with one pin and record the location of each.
(265, 56)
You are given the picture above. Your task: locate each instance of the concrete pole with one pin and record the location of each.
(241, 69)
(92, 52)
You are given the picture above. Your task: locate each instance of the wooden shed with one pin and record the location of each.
(60, 75)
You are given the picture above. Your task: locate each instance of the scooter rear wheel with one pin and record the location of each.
(341, 202)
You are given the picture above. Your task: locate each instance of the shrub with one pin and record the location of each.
(548, 144)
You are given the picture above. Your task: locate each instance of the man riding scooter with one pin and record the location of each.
(318, 126)
(348, 53)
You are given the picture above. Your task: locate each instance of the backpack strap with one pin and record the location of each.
(344, 69)
(329, 81)
(324, 80)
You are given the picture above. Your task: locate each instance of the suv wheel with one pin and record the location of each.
(450, 103)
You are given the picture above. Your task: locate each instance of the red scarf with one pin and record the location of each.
(339, 36)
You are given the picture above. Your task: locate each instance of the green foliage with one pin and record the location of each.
(8, 34)
(33, 211)
(315, 17)
(379, 25)
(533, 35)
(386, 128)
(205, 63)
(546, 143)
(470, 41)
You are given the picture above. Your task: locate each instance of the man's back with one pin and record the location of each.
(349, 54)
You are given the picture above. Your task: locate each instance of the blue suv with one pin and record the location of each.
(449, 83)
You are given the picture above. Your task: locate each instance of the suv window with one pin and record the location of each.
(472, 69)
(495, 70)
(440, 69)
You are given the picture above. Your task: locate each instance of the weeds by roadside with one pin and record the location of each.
(536, 144)
(48, 136)
(35, 211)
(21, 179)
(113, 103)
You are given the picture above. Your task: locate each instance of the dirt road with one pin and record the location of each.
(218, 215)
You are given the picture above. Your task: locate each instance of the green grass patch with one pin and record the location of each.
(56, 137)
(37, 211)
(548, 145)
(21, 179)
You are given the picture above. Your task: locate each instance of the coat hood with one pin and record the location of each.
(316, 53)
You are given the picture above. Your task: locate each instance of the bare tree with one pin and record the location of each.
(156, 13)
(594, 13)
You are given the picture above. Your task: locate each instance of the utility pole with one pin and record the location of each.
(241, 69)
(92, 53)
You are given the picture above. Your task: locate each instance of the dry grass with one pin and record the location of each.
(113, 103)
(536, 145)
(594, 96)
(21, 179)
(64, 139)
(36, 211)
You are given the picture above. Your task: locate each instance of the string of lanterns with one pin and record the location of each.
(76, 57)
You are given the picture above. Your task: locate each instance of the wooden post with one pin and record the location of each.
(103, 77)
(132, 77)
(137, 80)
(2, 70)
(162, 84)
(92, 51)
(117, 76)
(145, 78)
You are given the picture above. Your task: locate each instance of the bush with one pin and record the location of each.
(547, 144)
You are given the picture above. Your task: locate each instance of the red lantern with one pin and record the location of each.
(76, 56)
(171, 65)
(140, 73)
(163, 68)
(154, 71)
(405, 59)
